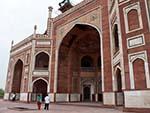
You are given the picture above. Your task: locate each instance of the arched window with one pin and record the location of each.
(133, 20)
(99, 62)
(139, 74)
(86, 61)
(42, 61)
(115, 39)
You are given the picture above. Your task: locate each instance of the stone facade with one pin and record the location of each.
(99, 50)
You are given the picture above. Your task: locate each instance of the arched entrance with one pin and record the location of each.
(17, 77)
(88, 87)
(87, 93)
(119, 92)
(39, 88)
(77, 60)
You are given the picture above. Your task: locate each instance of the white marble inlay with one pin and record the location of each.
(61, 97)
(6, 96)
(23, 96)
(43, 42)
(136, 41)
(137, 99)
(109, 98)
(40, 73)
(26, 69)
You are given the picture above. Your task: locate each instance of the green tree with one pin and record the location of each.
(1, 93)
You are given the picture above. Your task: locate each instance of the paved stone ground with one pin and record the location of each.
(12, 107)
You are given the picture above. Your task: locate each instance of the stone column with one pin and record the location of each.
(108, 94)
(31, 65)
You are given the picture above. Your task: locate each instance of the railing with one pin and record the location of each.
(87, 69)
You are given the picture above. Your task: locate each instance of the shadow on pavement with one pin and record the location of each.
(21, 109)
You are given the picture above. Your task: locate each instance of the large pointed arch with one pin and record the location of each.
(17, 76)
(59, 54)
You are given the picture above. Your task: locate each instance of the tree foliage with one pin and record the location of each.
(1, 92)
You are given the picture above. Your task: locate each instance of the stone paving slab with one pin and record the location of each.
(12, 107)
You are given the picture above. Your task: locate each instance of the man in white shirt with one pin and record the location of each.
(13, 96)
(47, 101)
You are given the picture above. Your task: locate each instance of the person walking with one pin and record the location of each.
(39, 101)
(13, 96)
(47, 101)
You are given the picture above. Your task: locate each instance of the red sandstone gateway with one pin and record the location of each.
(96, 51)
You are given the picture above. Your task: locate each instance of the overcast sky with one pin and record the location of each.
(17, 18)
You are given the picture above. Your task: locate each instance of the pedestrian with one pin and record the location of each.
(39, 101)
(13, 96)
(47, 102)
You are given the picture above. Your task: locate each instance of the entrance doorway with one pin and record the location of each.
(87, 93)
(39, 88)
(119, 93)
(78, 62)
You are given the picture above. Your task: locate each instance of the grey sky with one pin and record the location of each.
(17, 18)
